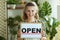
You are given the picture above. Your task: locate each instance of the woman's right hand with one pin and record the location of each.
(19, 35)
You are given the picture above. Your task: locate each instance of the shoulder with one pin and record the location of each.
(39, 21)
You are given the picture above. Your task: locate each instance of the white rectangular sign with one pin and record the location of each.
(31, 30)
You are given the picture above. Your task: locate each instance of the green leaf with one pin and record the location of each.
(18, 18)
(46, 9)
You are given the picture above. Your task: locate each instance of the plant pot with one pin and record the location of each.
(13, 6)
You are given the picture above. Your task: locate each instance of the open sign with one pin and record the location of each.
(31, 30)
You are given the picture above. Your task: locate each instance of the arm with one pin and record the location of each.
(19, 34)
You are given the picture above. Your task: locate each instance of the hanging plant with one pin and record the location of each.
(13, 25)
(13, 22)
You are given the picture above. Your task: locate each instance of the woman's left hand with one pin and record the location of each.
(43, 36)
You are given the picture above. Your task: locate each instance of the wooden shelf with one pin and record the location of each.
(15, 8)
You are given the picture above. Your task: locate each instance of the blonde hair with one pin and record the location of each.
(31, 4)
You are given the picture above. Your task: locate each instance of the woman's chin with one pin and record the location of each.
(30, 16)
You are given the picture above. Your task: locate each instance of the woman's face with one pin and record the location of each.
(30, 11)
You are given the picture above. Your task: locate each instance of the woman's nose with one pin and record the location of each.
(30, 12)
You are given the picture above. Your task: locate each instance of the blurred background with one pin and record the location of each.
(11, 12)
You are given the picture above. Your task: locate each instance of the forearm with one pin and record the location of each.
(43, 38)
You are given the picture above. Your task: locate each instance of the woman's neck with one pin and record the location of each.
(31, 19)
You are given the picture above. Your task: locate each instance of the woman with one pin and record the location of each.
(30, 15)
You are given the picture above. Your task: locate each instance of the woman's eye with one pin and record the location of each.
(28, 10)
(32, 10)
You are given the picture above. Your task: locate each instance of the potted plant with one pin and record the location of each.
(13, 3)
(13, 25)
(50, 22)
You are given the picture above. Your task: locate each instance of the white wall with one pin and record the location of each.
(13, 13)
(54, 8)
(58, 12)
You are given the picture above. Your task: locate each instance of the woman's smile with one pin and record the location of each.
(30, 11)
